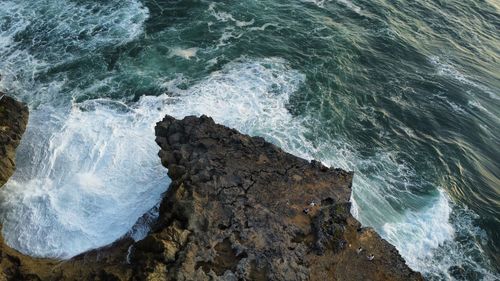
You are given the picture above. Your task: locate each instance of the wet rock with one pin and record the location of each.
(13, 121)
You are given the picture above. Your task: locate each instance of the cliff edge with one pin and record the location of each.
(238, 208)
(13, 121)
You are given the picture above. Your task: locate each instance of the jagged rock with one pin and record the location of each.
(238, 208)
(13, 121)
(255, 212)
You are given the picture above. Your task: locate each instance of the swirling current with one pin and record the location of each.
(404, 93)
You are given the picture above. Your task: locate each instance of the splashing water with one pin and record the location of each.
(346, 84)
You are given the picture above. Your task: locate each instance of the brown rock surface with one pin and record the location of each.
(242, 202)
(13, 120)
(234, 211)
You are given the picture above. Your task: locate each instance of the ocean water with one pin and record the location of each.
(404, 93)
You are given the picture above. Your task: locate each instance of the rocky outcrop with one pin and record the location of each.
(238, 208)
(13, 120)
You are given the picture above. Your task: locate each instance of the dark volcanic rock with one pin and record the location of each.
(13, 120)
(238, 208)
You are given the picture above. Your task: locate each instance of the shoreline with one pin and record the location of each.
(238, 207)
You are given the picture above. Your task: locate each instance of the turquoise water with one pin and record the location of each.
(405, 93)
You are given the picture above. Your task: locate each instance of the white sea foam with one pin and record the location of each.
(252, 96)
(38, 35)
(71, 186)
(184, 53)
(225, 16)
(86, 174)
(421, 231)
(98, 175)
(90, 152)
(233, 28)
(248, 95)
(89, 173)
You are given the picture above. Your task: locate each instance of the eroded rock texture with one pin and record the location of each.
(238, 208)
(13, 120)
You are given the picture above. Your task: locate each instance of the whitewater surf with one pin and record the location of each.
(393, 92)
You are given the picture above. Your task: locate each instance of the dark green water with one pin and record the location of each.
(405, 93)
